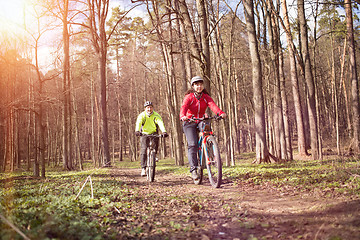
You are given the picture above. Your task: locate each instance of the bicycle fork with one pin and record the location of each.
(205, 151)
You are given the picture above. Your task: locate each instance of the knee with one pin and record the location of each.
(143, 151)
(192, 146)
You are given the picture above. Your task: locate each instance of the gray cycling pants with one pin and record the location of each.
(192, 137)
(144, 142)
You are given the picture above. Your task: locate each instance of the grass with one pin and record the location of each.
(338, 175)
(47, 208)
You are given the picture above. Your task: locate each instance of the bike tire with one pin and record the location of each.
(150, 169)
(213, 165)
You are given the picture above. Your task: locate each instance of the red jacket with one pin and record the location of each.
(193, 106)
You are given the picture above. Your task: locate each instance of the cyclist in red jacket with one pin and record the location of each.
(195, 102)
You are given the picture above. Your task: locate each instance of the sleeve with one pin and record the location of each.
(212, 105)
(160, 123)
(185, 106)
(139, 121)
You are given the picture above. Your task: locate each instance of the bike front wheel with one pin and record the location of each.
(213, 162)
(150, 168)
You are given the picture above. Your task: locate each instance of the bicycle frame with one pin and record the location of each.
(208, 155)
(150, 156)
(151, 143)
(202, 142)
(203, 152)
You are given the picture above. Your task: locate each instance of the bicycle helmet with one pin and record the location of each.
(196, 79)
(148, 103)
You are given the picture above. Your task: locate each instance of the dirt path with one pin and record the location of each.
(173, 207)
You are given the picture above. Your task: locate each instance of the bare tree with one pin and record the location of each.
(67, 145)
(262, 153)
(171, 96)
(98, 11)
(205, 47)
(194, 46)
(294, 82)
(310, 86)
(354, 77)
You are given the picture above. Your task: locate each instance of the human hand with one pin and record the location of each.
(184, 118)
(138, 134)
(223, 115)
(165, 134)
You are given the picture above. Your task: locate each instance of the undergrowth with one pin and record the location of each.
(48, 208)
(340, 176)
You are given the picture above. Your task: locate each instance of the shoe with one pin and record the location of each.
(156, 159)
(194, 175)
(143, 172)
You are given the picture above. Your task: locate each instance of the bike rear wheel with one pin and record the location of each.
(150, 168)
(213, 162)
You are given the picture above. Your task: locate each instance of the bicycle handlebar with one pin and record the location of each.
(216, 117)
(152, 135)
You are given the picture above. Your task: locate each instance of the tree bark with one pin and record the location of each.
(67, 161)
(172, 98)
(205, 47)
(262, 153)
(279, 136)
(310, 86)
(295, 84)
(287, 128)
(354, 77)
(184, 55)
(97, 18)
(194, 47)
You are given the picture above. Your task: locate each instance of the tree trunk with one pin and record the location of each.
(279, 134)
(229, 96)
(79, 158)
(98, 13)
(67, 161)
(262, 153)
(171, 96)
(310, 86)
(295, 85)
(191, 38)
(287, 128)
(205, 47)
(184, 55)
(28, 130)
(343, 85)
(226, 91)
(354, 77)
(94, 153)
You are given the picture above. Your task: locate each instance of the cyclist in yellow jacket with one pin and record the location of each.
(148, 122)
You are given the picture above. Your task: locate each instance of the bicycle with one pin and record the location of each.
(151, 156)
(209, 154)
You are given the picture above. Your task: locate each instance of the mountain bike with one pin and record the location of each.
(151, 156)
(209, 154)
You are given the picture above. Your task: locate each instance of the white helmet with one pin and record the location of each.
(148, 103)
(196, 79)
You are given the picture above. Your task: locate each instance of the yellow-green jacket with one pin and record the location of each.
(149, 124)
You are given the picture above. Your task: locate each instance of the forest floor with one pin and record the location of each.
(173, 207)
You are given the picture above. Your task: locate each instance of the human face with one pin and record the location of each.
(149, 109)
(198, 86)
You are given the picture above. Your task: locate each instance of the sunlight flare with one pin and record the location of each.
(12, 16)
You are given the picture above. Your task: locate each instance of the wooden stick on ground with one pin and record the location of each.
(82, 187)
(13, 227)
(92, 191)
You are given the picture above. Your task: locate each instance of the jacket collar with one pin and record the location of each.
(197, 95)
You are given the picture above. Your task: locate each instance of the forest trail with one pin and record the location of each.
(177, 208)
